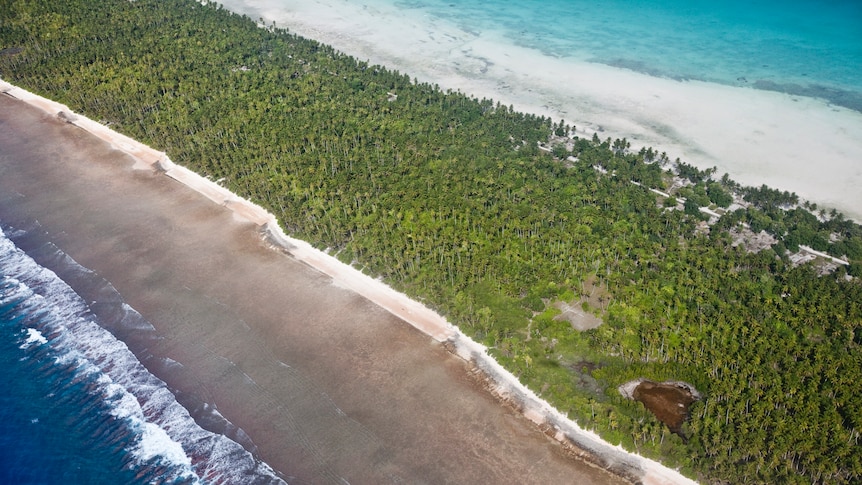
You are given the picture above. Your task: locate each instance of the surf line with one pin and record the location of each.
(580, 442)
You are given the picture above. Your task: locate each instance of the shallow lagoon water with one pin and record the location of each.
(812, 45)
(768, 92)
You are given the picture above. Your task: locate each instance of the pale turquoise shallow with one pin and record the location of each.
(802, 47)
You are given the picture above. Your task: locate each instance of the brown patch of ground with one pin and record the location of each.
(595, 292)
(668, 401)
(594, 296)
(574, 314)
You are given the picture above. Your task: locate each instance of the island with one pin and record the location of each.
(580, 264)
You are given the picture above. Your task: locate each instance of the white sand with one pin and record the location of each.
(144, 156)
(413, 312)
(758, 137)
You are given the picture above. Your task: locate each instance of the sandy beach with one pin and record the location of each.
(255, 331)
(327, 385)
(788, 142)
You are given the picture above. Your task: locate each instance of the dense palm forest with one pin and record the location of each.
(452, 200)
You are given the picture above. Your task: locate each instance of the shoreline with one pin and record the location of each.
(795, 143)
(327, 386)
(498, 381)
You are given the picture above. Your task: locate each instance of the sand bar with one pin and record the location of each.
(137, 210)
(793, 143)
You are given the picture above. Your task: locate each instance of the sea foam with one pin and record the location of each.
(33, 337)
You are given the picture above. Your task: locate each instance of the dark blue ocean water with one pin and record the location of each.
(804, 47)
(44, 435)
(78, 407)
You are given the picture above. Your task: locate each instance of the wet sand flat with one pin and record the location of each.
(326, 384)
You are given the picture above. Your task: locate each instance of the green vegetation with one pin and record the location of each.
(450, 199)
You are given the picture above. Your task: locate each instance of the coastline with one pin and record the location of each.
(799, 144)
(499, 382)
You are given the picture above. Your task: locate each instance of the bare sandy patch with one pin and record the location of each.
(575, 314)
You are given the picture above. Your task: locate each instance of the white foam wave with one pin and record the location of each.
(155, 442)
(33, 337)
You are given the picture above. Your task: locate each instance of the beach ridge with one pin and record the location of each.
(499, 381)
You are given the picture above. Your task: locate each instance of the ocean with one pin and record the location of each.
(78, 406)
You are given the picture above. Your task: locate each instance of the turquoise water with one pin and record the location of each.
(77, 406)
(802, 47)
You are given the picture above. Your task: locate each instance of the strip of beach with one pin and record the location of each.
(332, 374)
(787, 142)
